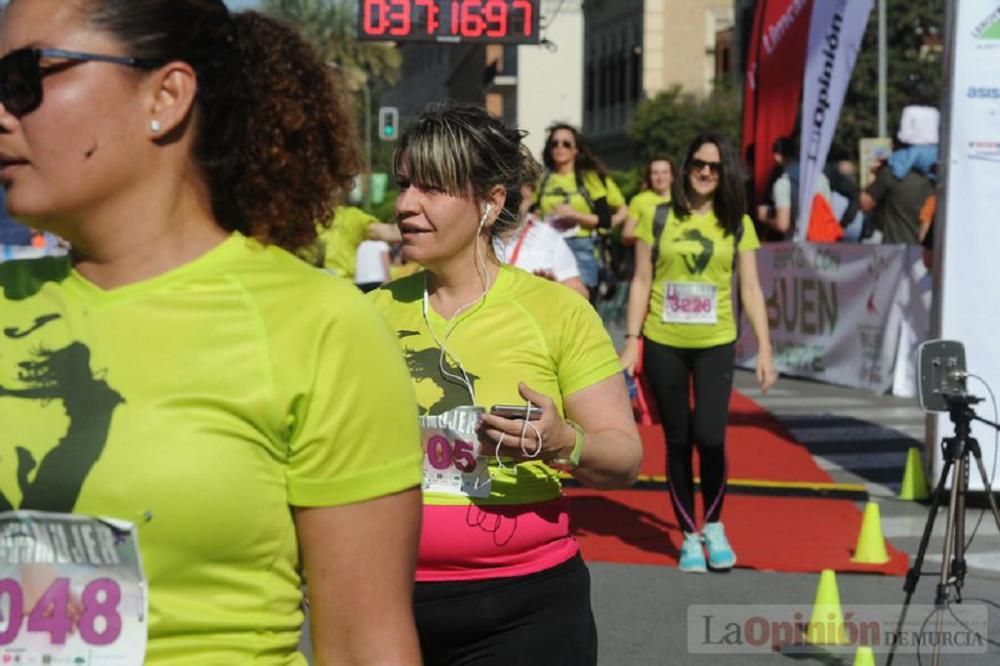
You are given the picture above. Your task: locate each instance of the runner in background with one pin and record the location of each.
(681, 305)
(373, 265)
(538, 248)
(657, 180)
(339, 241)
(500, 577)
(183, 372)
(577, 197)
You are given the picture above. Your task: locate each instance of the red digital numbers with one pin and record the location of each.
(431, 24)
(53, 612)
(464, 19)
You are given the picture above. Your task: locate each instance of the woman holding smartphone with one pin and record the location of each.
(681, 304)
(499, 576)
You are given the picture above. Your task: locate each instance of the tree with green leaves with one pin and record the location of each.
(331, 27)
(914, 38)
(667, 123)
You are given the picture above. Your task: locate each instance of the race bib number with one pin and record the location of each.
(71, 590)
(452, 463)
(690, 303)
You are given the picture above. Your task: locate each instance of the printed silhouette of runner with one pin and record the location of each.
(697, 263)
(65, 375)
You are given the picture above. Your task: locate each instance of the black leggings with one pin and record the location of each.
(669, 371)
(542, 618)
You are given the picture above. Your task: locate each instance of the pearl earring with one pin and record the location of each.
(155, 126)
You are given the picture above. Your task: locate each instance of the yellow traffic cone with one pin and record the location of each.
(914, 482)
(826, 624)
(864, 656)
(870, 548)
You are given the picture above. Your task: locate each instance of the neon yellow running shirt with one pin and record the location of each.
(695, 265)
(562, 188)
(348, 229)
(527, 329)
(208, 400)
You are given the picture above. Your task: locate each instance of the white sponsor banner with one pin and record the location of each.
(835, 31)
(968, 224)
(840, 313)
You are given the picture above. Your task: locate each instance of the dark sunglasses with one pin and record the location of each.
(698, 165)
(21, 74)
(555, 143)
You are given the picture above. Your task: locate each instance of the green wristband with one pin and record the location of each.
(573, 461)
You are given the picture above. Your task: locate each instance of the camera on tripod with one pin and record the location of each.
(942, 388)
(942, 374)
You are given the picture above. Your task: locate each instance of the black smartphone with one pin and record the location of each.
(534, 412)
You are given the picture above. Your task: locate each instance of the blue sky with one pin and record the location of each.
(241, 4)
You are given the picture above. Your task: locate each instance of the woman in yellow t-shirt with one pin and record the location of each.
(657, 180)
(577, 197)
(681, 304)
(196, 409)
(499, 572)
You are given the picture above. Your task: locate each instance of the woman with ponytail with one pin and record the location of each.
(196, 421)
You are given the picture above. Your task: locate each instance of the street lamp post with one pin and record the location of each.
(883, 66)
(366, 180)
(367, 187)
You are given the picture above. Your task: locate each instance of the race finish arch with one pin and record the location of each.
(967, 230)
(450, 21)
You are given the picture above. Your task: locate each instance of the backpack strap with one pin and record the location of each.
(738, 305)
(659, 224)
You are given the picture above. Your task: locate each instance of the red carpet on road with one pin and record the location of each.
(768, 532)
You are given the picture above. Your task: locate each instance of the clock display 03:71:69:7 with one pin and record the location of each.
(463, 19)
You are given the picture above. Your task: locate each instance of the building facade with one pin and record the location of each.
(529, 86)
(634, 49)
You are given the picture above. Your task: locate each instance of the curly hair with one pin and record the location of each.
(274, 139)
(464, 151)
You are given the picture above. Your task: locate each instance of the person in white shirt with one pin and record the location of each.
(538, 248)
(372, 269)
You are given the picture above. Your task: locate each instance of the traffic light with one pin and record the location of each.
(388, 123)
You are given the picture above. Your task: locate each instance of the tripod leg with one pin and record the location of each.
(977, 454)
(958, 566)
(913, 575)
(941, 596)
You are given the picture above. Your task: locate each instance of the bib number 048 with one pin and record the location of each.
(95, 613)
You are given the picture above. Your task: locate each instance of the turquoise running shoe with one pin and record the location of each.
(692, 559)
(720, 553)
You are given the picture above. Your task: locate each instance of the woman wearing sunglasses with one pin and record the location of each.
(517, 380)
(681, 305)
(182, 381)
(577, 197)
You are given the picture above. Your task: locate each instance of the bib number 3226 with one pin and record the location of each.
(690, 303)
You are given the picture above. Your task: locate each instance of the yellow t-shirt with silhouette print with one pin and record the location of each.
(561, 188)
(202, 405)
(691, 300)
(526, 329)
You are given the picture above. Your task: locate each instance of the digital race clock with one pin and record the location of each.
(502, 21)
